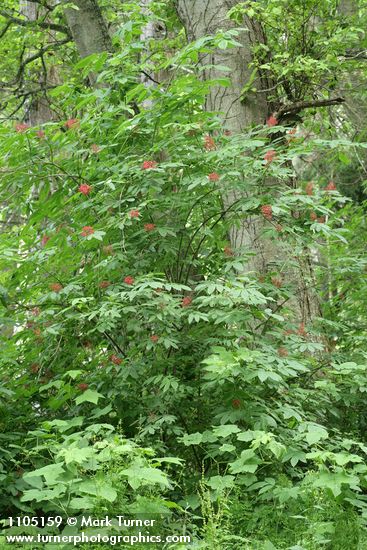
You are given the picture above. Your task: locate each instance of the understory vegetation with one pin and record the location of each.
(148, 367)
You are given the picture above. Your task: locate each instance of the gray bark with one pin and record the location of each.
(202, 18)
(148, 33)
(88, 27)
(39, 110)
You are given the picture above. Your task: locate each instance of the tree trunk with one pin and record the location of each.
(148, 33)
(202, 18)
(39, 110)
(88, 27)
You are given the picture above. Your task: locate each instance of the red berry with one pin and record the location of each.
(277, 282)
(330, 186)
(44, 240)
(40, 134)
(87, 230)
(148, 165)
(309, 189)
(115, 359)
(302, 330)
(313, 216)
(321, 219)
(85, 189)
(270, 156)
(267, 211)
(129, 280)
(186, 301)
(154, 338)
(213, 176)
(236, 403)
(134, 213)
(104, 284)
(209, 143)
(21, 127)
(149, 227)
(82, 386)
(56, 287)
(72, 123)
(272, 121)
(228, 251)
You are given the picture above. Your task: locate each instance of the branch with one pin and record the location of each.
(7, 86)
(6, 27)
(150, 77)
(362, 54)
(39, 54)
(300, 105)
(43, 4)
(41, 24)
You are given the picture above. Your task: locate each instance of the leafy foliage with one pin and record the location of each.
(144, 366)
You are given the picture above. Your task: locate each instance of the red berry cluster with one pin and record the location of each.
(85, 189)
(115, 359)
(330, 186)
(72, 123)
(56, 287)
(87, 230)
(272, 121)
(149, 165)
(213, 176)
(270, 156)
(104, 284)
(186, 301)
(267, 211)
(21, 127)
(309, 189)
(209, 143)
(277, 282)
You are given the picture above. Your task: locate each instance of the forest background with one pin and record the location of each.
(183, 269)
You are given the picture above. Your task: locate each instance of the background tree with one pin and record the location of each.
(153, 364)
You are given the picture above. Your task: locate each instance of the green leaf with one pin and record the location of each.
(225, 430)
(315, 433)
(90, 396)
(100, 489)
(219, 483)
(192, 439)
(51, 473)
(138, 477)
